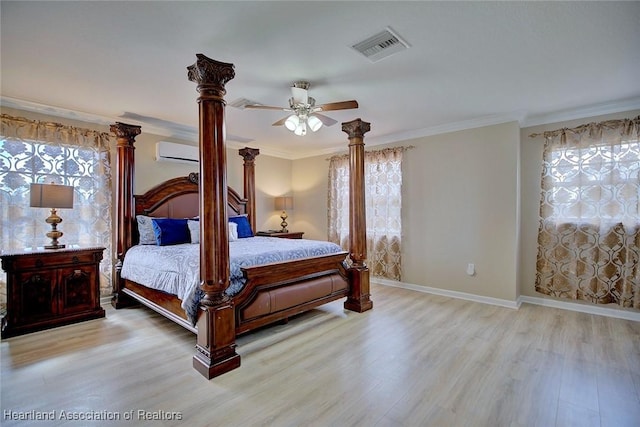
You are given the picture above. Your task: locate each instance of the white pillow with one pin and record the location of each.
(145, 229)
(194, 230)
(233, 231)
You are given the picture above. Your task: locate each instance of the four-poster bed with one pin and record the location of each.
(272, 292)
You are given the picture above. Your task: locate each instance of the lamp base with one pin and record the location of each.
(54, 234)
(284, 224)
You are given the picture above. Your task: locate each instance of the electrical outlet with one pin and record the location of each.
(471, 269)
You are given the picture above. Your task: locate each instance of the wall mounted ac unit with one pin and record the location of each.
(172, 152)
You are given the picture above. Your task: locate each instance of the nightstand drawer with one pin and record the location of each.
(51, 258)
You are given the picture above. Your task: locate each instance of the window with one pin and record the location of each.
(594, 184)
(589, 235)
(383, 186)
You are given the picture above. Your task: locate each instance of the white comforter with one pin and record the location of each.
(176, 269)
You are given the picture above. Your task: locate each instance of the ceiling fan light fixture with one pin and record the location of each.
(303, 112)
(314, 123)
(292, 122)
(301, 129)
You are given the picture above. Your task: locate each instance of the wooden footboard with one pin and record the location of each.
(273, 292)
(277, 291)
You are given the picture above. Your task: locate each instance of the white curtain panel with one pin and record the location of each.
(383, 193)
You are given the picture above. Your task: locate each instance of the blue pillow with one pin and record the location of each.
(244, 228)
(170, 231)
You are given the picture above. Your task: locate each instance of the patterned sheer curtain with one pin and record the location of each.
(589, 236)
(40, 152)
(383, 192)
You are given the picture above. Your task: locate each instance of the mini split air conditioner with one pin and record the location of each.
(172, 152)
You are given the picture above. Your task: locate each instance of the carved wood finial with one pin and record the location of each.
(249, 154)
(356, 128)
(194, 177)
(125, 133)
(210, 75)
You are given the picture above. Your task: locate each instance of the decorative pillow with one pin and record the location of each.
(244, 228)
(145, 229)
(233, 231)
(194, 230)
(170, 231)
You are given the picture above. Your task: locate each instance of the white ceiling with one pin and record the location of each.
(469, 64)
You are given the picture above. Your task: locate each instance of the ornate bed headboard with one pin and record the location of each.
(178, 198)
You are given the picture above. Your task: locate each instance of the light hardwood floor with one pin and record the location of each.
(414, 360)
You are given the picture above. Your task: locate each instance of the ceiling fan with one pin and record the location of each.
(305, 111)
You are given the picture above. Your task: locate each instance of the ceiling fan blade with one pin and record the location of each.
(267, 107)
(343, 105)
(327, 121)
(300, 95)
(280, 122)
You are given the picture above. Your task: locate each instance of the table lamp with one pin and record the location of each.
(284, 203)
(52, 196)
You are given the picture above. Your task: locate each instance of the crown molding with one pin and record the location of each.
(166, 129)
(20, 104)
(188, 133)
(263, 150)
(398, 137)
(580, 113)
(447, 128)
(49, 110)
(521, 117)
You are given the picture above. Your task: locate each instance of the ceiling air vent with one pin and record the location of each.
(381, 45)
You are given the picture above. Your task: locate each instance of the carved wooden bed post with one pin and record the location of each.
(358, 298)
(249, 155)
(216, 347)
(125, 214)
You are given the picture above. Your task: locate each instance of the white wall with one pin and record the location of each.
(273, 176)
(460, 206)
(468, 196)
(309, 183)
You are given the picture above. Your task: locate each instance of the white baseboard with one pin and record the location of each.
(447, 293)
(583, 308)
(565, 305)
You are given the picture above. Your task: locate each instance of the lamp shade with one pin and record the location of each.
(51, 196)
(292, 122)
(284, 203)
(314, 123)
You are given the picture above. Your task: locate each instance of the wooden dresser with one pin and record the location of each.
(51, 287)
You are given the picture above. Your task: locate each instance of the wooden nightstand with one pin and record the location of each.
(275, 233)
(51, 287)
